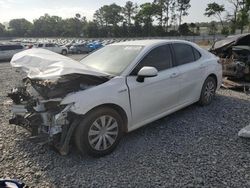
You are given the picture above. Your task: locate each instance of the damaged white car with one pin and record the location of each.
(115, 90)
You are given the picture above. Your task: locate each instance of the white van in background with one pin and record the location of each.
(8, 50)
(53, 47)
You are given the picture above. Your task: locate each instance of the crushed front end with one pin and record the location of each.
(234, 54)
(37, 107)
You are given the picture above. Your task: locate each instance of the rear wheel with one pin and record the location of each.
(208, 91)
(64, 52)
(99, 132)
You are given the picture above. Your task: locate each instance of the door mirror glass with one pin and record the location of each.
(146, 72)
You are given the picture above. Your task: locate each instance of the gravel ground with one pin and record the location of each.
(195, 147)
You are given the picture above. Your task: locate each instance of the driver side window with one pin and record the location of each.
(160, 58)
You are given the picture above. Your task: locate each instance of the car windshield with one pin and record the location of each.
(112, 59)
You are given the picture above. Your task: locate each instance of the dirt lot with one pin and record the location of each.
(195, 147)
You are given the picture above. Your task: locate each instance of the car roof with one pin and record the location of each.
(149, 42)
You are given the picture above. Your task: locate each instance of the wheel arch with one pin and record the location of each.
(213, 76)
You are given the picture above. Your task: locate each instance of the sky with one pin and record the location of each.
(32, 9)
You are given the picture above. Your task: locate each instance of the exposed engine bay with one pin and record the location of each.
(37, 102)
(234, 53)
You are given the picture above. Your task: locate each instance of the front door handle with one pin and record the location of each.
(174, 75)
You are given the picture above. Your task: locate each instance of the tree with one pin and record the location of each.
(173, 14)
(168, 5)
(182, 7)
(233, 18)
(129, 11)
(214, 9)
(240, 15)
(110, 14)
(213, 29)
(2, 30)
(184, 29)
(161, 10)
(242, 19)
(20, 27)
(92, 30)
(193, 26)
(49, 26)
(145, 16)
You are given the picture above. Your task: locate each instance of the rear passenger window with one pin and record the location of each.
(183, 53)
(40, 45)
(197, 54)
(160, 58)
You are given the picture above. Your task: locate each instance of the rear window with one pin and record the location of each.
(197, 54)
(185, 53)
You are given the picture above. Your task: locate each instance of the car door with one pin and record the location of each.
(49, 47)
(157, 94)
(56, 48)
(191, 70)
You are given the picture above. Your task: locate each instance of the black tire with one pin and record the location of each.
(82, 138)
(209, 86)
(64, 52)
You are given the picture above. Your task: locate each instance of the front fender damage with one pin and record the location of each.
(37, 107)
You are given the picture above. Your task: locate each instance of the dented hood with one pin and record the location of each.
(44, 64)
(242, 39)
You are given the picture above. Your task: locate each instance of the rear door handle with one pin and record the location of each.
(174, 75)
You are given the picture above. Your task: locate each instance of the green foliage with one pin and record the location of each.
(182, 7)
(214, 9)
(184, 29)
(213, 28)
(225, 31)
(129, 11)
(156, 18)
(108, 15)
(20, 27)
(2, 30)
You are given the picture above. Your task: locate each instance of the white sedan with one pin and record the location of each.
(115, 90)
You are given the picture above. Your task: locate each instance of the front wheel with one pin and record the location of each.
(208, 91)
(99, 132)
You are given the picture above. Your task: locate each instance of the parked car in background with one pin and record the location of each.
(8, 50)
(79, 49)
(94, 45)
(53, 47)
(114, 90)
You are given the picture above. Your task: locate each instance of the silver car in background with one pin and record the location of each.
(8, 50)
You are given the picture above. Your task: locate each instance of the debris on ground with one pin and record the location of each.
(245, 132)
(235, 85)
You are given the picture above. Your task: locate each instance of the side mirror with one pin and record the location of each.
(146, 72)
(11, 184)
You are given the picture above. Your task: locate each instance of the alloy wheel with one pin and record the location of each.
(209, 91)
(103, 133)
